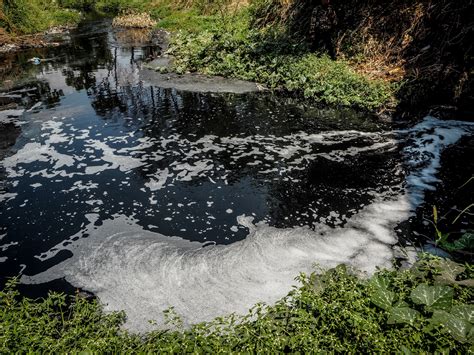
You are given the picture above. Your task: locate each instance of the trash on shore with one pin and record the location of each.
(35, 60)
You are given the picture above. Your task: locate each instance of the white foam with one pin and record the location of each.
(10, 116)
(36, 152)
(6, 196)
(122, 162)
(80, 185)
(428, 140)
(192, 159)
(160, 182)
(144, 273)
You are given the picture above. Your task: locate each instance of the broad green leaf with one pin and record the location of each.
(401, 304)
(449, 267)
(402, 315)
(470, 336)
(465, 312)
(457, 327)
(383, 298)
(405, 350)
(466, 242)
(448, 271)
(434, 297)
(439, 317)
(318, 283)
(379, 282)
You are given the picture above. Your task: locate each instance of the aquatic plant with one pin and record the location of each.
(427, 308)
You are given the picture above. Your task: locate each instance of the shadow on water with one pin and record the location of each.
(103, 143)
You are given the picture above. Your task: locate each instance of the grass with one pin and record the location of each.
(425, 309)
(189, 20)
(230, 48)
(31, 16)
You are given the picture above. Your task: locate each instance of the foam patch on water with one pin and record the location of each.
(11, 116)
(7, 196)
(144, 273)
(426, 142)
(186, 159)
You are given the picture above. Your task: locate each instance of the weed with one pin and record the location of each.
(425, 309)
(30, 16)
(232, 49)
(453, 241)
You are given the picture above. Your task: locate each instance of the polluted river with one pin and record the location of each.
(154, 191)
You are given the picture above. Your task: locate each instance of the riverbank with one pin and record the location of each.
(397, 69)
(230, 46)
(217, 40)
(423, 309)
(53, 37)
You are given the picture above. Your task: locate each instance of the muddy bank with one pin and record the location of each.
(158, 72)
(197, 82)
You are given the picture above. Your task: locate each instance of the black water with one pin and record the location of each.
(101, 138)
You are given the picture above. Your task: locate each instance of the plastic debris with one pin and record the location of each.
(35, 60)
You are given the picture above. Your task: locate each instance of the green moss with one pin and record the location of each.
(417, 310)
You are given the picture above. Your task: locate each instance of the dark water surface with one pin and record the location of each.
(86, 141)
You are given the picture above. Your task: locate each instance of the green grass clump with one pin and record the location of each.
(187, 19)
(117, 6)
(426, 309)
(30, 16)
(232, 49)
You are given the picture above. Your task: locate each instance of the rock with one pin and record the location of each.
(433, 250)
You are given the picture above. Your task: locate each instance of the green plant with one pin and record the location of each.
(272, 58)
(29, 16)
(431, 305)
(425, 309)
(445, 240)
